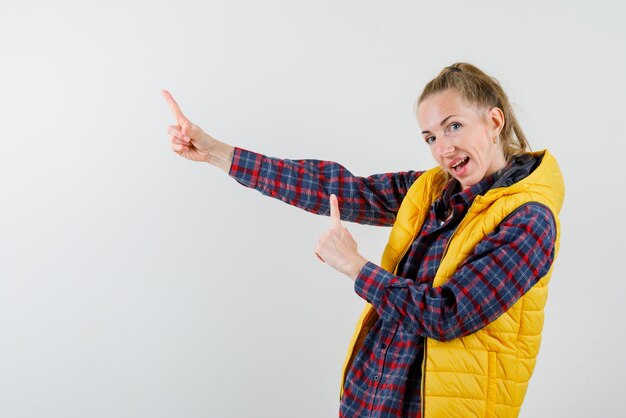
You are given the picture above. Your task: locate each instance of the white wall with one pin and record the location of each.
(134, 283)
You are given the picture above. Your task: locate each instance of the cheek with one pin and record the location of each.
(434, 154)
(483, 146)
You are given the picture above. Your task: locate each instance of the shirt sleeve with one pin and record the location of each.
(504, 266)
(308, 184)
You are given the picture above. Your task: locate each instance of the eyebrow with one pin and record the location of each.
(440, 124)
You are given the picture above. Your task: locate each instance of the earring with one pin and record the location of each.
(495, 139)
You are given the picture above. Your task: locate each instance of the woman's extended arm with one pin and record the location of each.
(306, 184)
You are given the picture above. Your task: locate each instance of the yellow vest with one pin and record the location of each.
(484, 374)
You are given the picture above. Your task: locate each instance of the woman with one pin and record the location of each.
(454, 313)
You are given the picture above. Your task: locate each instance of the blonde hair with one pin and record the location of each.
(478, 88)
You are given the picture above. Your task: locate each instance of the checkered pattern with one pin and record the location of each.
(385, 376)
(307, 184)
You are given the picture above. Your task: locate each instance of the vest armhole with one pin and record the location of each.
(510, 215)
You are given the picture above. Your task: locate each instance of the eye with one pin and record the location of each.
(454, 126)
(430, 139)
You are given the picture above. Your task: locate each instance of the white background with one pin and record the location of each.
(134, 283)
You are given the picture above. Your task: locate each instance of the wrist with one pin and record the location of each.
(221, 155)
(357, 265)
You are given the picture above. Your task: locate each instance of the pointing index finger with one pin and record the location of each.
(178, 114)
(334, 210)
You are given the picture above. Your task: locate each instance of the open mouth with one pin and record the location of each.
(458, 166)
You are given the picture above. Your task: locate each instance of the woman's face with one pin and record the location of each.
(461, 136)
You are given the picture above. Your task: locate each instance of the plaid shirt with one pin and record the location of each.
(385, 376)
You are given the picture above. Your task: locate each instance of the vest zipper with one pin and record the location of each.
(423, 381)
(423, 384)
(395, 272)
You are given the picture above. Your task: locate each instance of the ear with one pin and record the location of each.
(495, 117)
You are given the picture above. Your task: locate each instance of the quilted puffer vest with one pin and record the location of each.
(484, 374)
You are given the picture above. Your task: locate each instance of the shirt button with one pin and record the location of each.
(376, 377)
(383, 346)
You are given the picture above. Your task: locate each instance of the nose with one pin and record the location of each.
(444, 146)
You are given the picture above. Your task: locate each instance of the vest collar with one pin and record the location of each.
(546, 176)
(518, 169)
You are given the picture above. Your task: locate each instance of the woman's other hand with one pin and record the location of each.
(337, 248)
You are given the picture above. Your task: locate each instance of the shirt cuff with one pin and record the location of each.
(371, 283)
(246, 167)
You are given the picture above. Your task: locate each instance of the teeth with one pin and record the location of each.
(460, 161)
